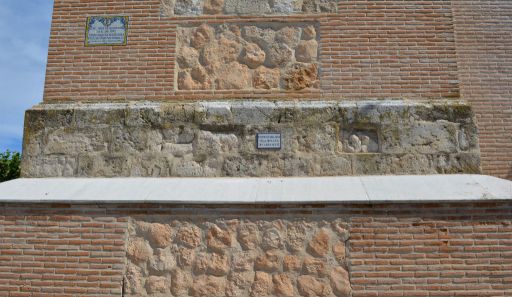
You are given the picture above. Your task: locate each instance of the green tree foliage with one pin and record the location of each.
(9, 165)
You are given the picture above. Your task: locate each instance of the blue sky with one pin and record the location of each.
(24, 34)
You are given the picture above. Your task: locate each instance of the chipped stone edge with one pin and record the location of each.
(313, 190)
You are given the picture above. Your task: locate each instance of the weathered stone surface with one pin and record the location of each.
(181, 282)
(338, 250)
(133, 280)
(163, 260)
(283, 285)
(248, 236)
(262, 285)
(291, 263)
(213, 6)
(266, 78)
(208, 286)
(309, 32)
(185, 257)
(319, 244)
(245, 7)
(158, 284)
(188, 7)
(139, 250)
(270, 261)
(189, 235)
(241, 57)
(307, 51)
(218, 139)
(233, 76)
(160, 235)
(314, 266)
(296, 236)
(301, 76)
(272, 239)
(340, 282)
(253, 55)
(310, 286)
(218, 239)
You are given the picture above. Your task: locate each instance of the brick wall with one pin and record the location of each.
(436, 249)
(367, 49)
(484, 49)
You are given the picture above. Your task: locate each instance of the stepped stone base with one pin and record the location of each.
(212, 139)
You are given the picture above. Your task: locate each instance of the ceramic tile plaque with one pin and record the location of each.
(269, 141)
(106, 30)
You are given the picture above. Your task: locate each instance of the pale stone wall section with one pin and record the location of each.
(247, 57)
(246, 7)
(219, 139)
(237, 258)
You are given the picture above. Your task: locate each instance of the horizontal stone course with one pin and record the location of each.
(246, 7)
(219, 139)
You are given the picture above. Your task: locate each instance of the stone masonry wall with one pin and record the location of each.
(366, 49)
(238, 257)
(244, 57)
(392, 249)
(219, 139)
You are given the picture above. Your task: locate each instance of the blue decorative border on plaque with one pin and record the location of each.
(106, 30)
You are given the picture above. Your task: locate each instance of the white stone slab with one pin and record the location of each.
(366, 189)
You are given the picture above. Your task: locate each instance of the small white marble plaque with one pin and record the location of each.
(106, 30)
(268, 141)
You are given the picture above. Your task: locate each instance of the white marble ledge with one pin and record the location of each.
(360, 189)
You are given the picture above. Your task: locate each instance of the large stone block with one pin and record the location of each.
(319, 138)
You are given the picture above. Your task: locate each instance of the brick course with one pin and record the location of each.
(435, 249)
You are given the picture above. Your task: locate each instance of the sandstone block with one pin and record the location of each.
(296, 237)
(163, 260)
(278, 55)
(291, 263)
(218, 239)
(310, 286)
(248, 236)
(300, 76)
(340, 282)
(272, 239)
(270, 261)
(289, 35)
(208, 286)
(307, 51)
(213, 6)
(266, 78)
(133, 279)
(319, 244)
(253, 56)
(338, 250)
(314, 266)
(160, 235)
(158, 284)
(181, 282)
(189, 235)
(139, 250)
(309, 32)
(201, 36)
(262, 285)
(283, 285)
(233, 76)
